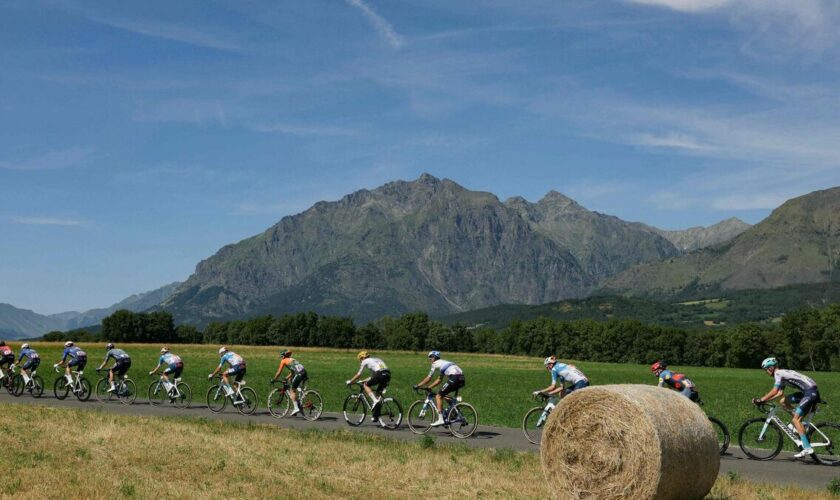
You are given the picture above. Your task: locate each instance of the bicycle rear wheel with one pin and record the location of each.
(17, 385)
(390, 414)
(463, 420)
(157, 393)
(128, 392)
(825, 439)
(184, 397)
(278, 403)
(84, 390)
(354, 410)
(421, 414)
(102, 393)
(759, 442)
(60, 388)
(311, 405)
(216, 398)
(249, 401)
(722, 434)
(37, 386)
(532, 424)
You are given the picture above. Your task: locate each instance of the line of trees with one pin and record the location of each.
(805, 339)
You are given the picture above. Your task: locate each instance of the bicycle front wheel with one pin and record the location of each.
(759, 440)
(533, 423)
(355, 410)
(184, 397)
(463, 420)
(156, 393)
(825, 439)
(278, 403)
(421, 414)
(722, 434)
(216, 398)
(128, 392)
(84, 390)
(311, 405)
(60, 388)
(249, 401)
(37, 386)
(390, 414)
(102, 393)
(17, 385)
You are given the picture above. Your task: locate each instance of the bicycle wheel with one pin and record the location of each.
(311, 405)
(390, 414)
(279, 403)
(184, 397)
(216, 399)
(825, 439)
(532, 424)
(37, 386)
(9, 383)
(102, 393)
(421, 414)
(17, 385)
(84, 390)
(156, 393)
(60, 388)
(128, 392)
(722, 434)
(463, 420)
(354, 409)
(249, 401)
(758, 441)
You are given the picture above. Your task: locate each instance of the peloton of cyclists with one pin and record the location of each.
(560, 374)
(297, 374)
(455, 380)
(237, 369)
(78, 360)
(122, 362)
(675, 381)
(174, 366)
(380, 377)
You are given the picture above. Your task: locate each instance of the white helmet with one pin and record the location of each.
(222, 350)
(164, 350)
(25, 346)
(69, 343)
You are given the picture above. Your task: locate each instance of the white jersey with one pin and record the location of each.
(785, 378)
(447, 368)
(372, 364)
(566, 373)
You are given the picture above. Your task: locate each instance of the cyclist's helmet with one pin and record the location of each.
(434, 354)
(659, 365)
(767, 363)
(109, 346)
(164, 350)
(69, 343)
(549, 361)
(285, 353)
(362, 355)
(24, 346)
(222, 350)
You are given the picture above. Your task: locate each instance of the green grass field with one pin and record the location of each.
(498, 386)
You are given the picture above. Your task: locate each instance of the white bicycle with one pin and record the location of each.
(763, 438)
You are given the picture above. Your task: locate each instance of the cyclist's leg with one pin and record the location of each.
(807, 404)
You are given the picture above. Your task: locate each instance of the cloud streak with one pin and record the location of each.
(171, 32)
(379, 23)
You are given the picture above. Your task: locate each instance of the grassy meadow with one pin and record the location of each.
(498, 386)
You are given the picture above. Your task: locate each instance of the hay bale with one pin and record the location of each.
(629, 441)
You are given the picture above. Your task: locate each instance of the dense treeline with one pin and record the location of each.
(805, 339)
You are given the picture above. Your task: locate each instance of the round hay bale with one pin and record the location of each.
(629, 441)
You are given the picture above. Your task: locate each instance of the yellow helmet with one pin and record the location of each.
(362, 355)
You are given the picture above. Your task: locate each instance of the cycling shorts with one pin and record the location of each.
(121, 367)
(7, 360)
(806, 401)
(454, 383)
(78, 363)
(32, 364)
(175, 369)
(379, 380)
(238, 370)
(298, 379)
(580, 384)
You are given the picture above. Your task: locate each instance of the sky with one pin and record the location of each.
(137, 139)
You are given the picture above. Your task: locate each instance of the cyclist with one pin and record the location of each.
(173, 363)
(455, 380)
(122, 362)
(78, 360)
(562, 373)
(380, 377)
(33, 360)
(237, 368)
(7, 357)
(806, 398)
(297, 374)
(675, 381)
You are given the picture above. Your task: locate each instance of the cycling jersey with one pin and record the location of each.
(676, 381)
(118, 354)
(6, 351)
(372, 364)
(562, 372)
(28, 353)
(292, 364)
(170, 360)
(75, 353)
(785, 378)
(232, 359)
(447, 368)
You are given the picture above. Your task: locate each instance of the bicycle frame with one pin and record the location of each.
(363, 393)
(236, 398)
(173, 391)
(791, 434)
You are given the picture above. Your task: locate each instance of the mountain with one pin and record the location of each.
(21, 323)
(427, 245)
(695, 238)
(798, 243)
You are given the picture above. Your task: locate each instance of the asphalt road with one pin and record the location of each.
(783, 470)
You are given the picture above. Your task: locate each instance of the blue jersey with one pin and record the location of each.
(28, 353)
(117, 354)
(232, 359)
(170, 360)
(73, 352)
(676, 381)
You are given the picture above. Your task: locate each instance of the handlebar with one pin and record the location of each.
(540, 396)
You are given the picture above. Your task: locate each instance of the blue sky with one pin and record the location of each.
(135, 140)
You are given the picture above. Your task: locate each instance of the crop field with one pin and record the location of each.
(498, 386)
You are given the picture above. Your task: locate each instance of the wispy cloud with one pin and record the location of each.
(172, 32)
(379, 23)
(303, 130)
(45, 221)
(669, 140)
(684, 5)
(51, 160)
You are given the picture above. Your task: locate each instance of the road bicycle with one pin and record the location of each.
(721, 430)
(79, 385)
(125, 390)
(357, 405)
(762, 438)
(280, 404)
(178, 394)
(9, 380)
(244, 399)
(34, 386)
(459, 417)
(535, 418)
